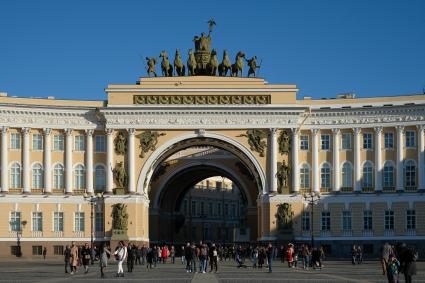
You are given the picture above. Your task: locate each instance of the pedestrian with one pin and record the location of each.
(359, 255)
(213, 258)
(353, 255)
(195, 254)
(254, 257)
(261, 257)
(173, 254)
(138, 256)
(44, 253)
(290, 255)
(93, 254)
(305, 253)
(120, 255)
(104, 256)
(164, 254)
(386, 250)
(183, 255)
(144, 254)
(85, 257)
(203, 259)
(149, 257)
(408, 259)
(269, 253)
(392, 269)
(131, 256)
(188, 257)
(74, 258)
(67, 257)
(282, 253)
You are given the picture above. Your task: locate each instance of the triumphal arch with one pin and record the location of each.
(338, 170)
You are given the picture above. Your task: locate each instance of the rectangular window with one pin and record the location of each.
(226, 209)
(306, 221)
(389, 220)
(325, 142)
(37, 221)
(37, 142)
(326, 221)
(58, 142)
(100, 144)
(58, 250)
(367, 220)
(79, 222)
(185, 206)
(410, 219)
(15, 141)
(79, 143)
(346, 141)
(389, 140)
(99, 222)
(58, 221)
(14, 250)
(202, 208)
(219, 209)
(346, 220)
(15, 221)
(410, 138)
(367, 141)
(303, 142)
(210, 209)
(193, 207)
(37, 250)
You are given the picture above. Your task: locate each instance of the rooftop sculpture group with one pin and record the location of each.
(204, 61)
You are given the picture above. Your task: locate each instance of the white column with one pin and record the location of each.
(400, 156)
(131, 156)
(68, 161)
(315, 159)
(47, 161)
(89, 161)
(378, 159)
(357, 165)
(109, 161)
(295, 170)
(272, 161)
(335, 160)
(4, 161)
(421, 158)
(26, 172)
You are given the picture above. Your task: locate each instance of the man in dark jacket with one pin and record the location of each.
(407, 259)
(67, 256)
(131, 255)
(188, 257)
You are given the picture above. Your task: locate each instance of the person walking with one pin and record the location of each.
(67, 258)
(44, 253)
(104, 256)
(408, 259)
(393, 266)
(86, 257)
(386, 250)
(173, 254)
(188, 257)
(203, 259)
(213, 258)
(120, 255)
(149, 257)
(354, 255)
(131, 256)
(164, 254)
(74, 258)
(144, 254)
(269, 253)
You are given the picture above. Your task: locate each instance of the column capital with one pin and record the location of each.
(420, 128)
(109, 131)
(357, 131)
(4, 130)
(378, 130)
(400, 129)
(131, 131)
(68, 132)
(26, 131)
(295, 131)
(47, 131)
(314, 131)
(273, 131)
(336, 131)
(89, 132)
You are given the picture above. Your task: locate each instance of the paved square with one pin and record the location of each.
(37, 270)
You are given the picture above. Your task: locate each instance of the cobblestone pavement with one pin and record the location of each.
(37, 270)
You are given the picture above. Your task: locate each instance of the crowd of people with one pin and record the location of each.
(205, 257)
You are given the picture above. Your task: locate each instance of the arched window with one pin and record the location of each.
(37, 176)
(410, 173)
(58, 176)
(388, 176)
(100, 178)
(79, 177)
(305, 176)
(325, 176)
(367, 180)
(15, 175)
(347, 175)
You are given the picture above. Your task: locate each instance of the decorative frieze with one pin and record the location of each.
(201, 99)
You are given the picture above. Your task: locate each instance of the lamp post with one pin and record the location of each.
(312, 199)
(19, 229)
(92, 200)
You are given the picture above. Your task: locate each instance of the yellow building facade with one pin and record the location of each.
(364, 157)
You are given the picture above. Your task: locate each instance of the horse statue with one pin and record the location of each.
(213, 64)
(225, 65)
(252, 63)
(151, 66)
(166, 67)
(191, 63)
(238, 66)
(178, 64)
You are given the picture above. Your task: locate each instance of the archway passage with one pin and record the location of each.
(175, 175)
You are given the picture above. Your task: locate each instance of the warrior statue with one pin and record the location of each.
(284, 142)
(119, 217)
(256, 140)
(252, 64)
(178, 64)
(284, 216)
(282, 175)
(151, 66)
(120, 175)
(225, 65)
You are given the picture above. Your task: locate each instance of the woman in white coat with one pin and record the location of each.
(120, 255)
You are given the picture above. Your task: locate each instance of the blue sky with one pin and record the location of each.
(74, 49)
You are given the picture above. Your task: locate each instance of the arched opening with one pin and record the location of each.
(184, 165)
